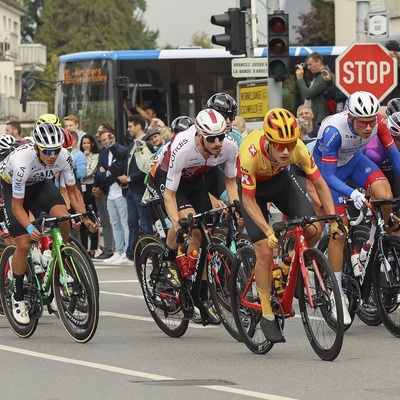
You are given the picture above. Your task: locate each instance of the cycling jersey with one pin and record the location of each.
(377, 153)
(23, 168)
(183, 160)
(337, 144)
(254, 165)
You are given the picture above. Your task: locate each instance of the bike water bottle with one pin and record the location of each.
(286, 261)
(46, 243)
(363, 257)
(192, 261)
(354, 262)
(182, 261)
(36, 260)
(278, 280)
(46, 258)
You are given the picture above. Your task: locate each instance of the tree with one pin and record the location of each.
(318, 26)
(201, 39)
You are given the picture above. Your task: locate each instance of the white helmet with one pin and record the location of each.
(48, 136)
(393, 123)
(6, 142)
(363, 105)
(210, 122)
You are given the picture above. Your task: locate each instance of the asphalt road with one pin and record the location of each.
(130, 358)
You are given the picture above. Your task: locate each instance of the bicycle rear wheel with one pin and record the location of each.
(76, 295)
(219, 275)
(324, 333)
(6, 291)
(243, 289)
(387, 284)
(162, 301)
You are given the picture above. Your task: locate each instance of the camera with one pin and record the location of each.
(304, 65)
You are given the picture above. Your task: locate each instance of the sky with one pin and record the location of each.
(178, 20)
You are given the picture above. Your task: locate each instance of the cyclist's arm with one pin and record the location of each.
(20, 213)
(254, 211)
(171, 206)
(324, 195)
(231, 188)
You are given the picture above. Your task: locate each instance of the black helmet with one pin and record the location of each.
(393, 106)
(181, 123)
(223, 103)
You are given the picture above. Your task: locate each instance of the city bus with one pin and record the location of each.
(96, 84)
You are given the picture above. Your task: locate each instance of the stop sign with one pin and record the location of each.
(368, 67)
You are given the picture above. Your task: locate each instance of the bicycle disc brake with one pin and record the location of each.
(187, 303)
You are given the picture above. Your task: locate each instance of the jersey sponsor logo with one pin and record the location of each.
(246, 179)
(219, 102)
(42, 175)
(252, 150)
(175, 151)
(368, 170)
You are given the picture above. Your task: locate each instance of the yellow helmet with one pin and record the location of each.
(280, 126)
(48, 119)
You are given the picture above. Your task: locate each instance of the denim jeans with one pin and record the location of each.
(118, 212)
(137, 216)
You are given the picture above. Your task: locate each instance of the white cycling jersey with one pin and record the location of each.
(183, 160)
(23, 168)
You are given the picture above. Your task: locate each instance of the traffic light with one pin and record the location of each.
(278, 45)
(234, 38)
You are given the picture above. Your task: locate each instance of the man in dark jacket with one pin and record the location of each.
(133, 179)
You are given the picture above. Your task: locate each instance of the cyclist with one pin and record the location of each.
(26, 180)
(393, 106)
(181, 123)
(48, 119)
(263, 158)
(179, 178)
(6, 145)
(338, 154)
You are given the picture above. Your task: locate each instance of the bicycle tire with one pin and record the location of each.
(23, 331)
(386, 283)
(323, 332)
(166, 312)
(78, 308)
(219, 275)
(247, 319)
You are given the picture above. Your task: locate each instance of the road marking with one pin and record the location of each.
(121, 281)
(135, 296)
(140, 374)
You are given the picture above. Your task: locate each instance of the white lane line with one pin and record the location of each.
(121, 281)
(140, 374)
(122, 294)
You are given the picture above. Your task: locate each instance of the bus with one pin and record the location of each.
(96, 84)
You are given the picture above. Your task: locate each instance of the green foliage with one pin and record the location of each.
(318, 26)
(31, 21)
(201, 39)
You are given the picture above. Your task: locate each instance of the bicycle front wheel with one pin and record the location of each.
(7, 290)
(245, 302)
(219, 275)
(162, 301)
(324, 332)
(76, 295)
(387, 283)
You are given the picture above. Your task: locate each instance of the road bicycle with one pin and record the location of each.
(68, 279)
(310, 277)
(172, 308)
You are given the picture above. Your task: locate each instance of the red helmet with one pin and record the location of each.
(68, 138)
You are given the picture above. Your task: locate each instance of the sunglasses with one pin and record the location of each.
(228, 114)
(364, 124)
(282, 146)
(213, 138)
(50, 152)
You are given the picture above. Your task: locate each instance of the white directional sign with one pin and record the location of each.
(250, 67)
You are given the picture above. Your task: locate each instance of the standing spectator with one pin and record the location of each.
(116, 202)
(91, 151)
(134, 179)
(305, 112)
(153, 135)
(240, 124)
(71, 123)
(80, 162)
(14, 128)
(313, 91)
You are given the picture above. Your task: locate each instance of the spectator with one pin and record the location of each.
(313, 91)
(133, 179)
(104, 126)
(91, 151)
(240, 124)
(305, 112)
(116, 202)
(71, 123)
(80, 162)
(14, 128)
(154, 136)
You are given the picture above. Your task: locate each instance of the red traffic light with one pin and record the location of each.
(277, 24)
(278, 46)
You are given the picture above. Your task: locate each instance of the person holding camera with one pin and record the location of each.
(313, 89)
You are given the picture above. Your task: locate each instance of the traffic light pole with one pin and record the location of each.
(274, 88)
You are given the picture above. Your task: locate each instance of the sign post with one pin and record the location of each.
(367, 67)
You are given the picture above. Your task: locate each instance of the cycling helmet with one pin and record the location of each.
(67, 138)
(210, 122)
(393, 123)
(280, 126)
(223, 103)
(48, 119)
(6, 142)
(181, 123)
(363, 105)
(393, 106)
(48, 136)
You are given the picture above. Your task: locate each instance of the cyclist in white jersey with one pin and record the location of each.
(338, 155)
(27, 181)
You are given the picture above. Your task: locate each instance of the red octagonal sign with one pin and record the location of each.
(368, 67)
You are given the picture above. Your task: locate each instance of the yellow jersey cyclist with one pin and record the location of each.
(27, 181)
(262, 161)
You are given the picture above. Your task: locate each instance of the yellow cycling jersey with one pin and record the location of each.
(254, 164)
